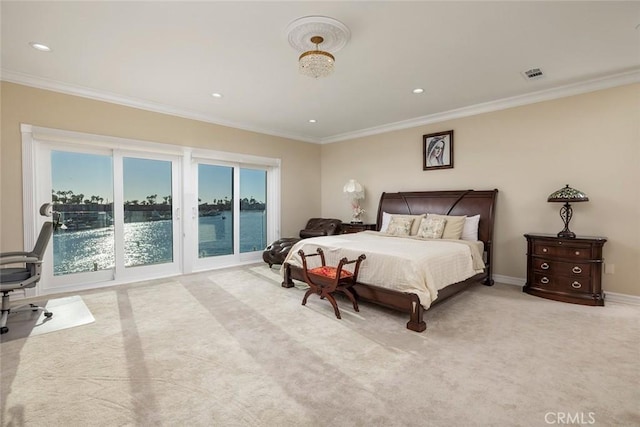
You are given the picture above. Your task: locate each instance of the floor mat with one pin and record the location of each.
(67, 312)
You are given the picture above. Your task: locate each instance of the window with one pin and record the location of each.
(122, 209)
(82, 193)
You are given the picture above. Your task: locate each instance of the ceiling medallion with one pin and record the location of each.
(306, 34)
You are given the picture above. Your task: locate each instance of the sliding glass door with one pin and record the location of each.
(232, 219)
(117, 216)
(215, 210)
(148, 212)
(253, 210)
(82, 193)
(122, 206)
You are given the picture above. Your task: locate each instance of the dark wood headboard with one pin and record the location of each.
(456, 202)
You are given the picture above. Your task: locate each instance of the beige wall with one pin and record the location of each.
(300, 173)
(590, 141)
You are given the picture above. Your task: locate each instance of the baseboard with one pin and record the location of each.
(621, 298)
(610, 296)
(508, 280)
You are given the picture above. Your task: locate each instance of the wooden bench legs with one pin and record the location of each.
(325, 280)
(322, 292)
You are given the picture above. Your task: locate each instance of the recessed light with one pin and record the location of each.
(41, 47)
(216, 95)
(312, 121)
(418, 90)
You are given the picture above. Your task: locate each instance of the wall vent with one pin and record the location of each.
(533, 74)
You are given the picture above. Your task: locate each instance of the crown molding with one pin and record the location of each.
(607, 82)
(84, 92)
(592, 85)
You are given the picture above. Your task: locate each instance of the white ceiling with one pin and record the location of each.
(468, 56)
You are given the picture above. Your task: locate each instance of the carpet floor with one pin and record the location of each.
(232, 347)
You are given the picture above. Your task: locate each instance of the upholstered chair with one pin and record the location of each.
(320, 227)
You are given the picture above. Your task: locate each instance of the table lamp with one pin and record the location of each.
(354, 192)
(566, 195)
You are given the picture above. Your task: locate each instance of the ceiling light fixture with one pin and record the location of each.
(216, 95)
(312, 121)
(316, 63)
(418, 90)
(39, 46)
(306, 34)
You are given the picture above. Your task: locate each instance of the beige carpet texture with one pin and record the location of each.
(232, 347)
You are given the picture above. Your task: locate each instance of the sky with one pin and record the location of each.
(92, 175)
(215, 182)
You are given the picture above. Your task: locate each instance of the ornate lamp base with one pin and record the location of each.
(567, 235)
(566, 212)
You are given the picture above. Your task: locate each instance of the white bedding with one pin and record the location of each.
(405, 264)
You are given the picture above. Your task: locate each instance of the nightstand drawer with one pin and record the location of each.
(558, 249)
(561, 284)
(572, 269)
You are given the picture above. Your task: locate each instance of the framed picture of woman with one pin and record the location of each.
(438, 150)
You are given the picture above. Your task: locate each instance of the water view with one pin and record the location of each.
(83, 194)
(149, 242)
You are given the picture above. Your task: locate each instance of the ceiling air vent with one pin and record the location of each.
(533, 74)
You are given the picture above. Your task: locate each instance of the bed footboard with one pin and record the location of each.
(404, 302)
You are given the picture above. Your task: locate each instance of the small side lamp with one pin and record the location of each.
(566, 195)
(354, 191)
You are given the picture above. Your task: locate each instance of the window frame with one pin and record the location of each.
(35, 139)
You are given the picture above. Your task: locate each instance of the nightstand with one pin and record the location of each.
(351, 227)
(568, 270)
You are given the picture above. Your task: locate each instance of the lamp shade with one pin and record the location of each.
(354, 190)
(567, 194)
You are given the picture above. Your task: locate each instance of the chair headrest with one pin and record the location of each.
(46, 209)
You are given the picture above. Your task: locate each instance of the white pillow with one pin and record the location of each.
(470, 229)
(386, 219)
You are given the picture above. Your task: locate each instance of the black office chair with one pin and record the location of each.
(27, 274)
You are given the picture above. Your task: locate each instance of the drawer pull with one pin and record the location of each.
(544, 266)
(576, 270)
(577, 252)
(545, 250)
(544, 281)
(576, 285)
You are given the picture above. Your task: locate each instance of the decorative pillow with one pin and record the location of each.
(470, 229)
(400, 226)
(431, 228)
(453, 227)
(386, 219)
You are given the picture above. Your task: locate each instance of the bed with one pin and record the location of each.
(405, 297)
